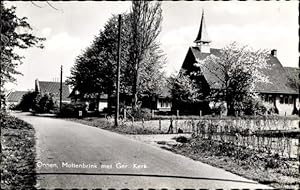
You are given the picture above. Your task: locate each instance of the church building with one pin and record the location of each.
(278, 93)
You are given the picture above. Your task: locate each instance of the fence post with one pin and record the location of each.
(170, 130)
(177, 113)
(124, 114)
(143, 121)
(200, 113)
(159, 124)
(132, 120)
(152, 114)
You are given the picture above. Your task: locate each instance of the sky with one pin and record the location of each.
(72, 26)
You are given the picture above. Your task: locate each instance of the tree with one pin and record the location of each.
(28, 101)
(184, 89)
(145, 23)
(152, 78)
(237, 70)
(94, 71)
(15, 33)
(44, 103)
(187, 93)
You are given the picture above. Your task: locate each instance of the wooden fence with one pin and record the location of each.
(274, 136)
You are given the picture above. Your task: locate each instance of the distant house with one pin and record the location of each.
(93, 102)
(14, 98)
(161, 102)
(278, 93)
(164, 101)
(53, 88)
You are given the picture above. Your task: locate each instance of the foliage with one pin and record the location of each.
(140, 113)
(17, 153)
(184, 89)
(217, 108)
(253, 106)
(237, 69)
(145, 23)
(44, 104)
(72, 110)
(36, 102)
(100, 57)
(28, 101)
(16, 33)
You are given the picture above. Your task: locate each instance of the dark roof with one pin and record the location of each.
(15, 96)
(292, 72)
(73, 95)
(53, 88)
(275, 72)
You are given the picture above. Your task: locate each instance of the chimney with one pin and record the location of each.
(274, 52)
(37, 85)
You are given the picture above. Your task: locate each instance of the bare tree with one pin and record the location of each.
(146, 19)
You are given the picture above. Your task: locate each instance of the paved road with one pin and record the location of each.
(128, 163)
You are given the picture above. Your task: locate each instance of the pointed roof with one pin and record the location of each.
(276, 73)
(202, 35)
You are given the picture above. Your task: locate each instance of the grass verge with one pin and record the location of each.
(18, 154)
(258, 166)
(122, 128)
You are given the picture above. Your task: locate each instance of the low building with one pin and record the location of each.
(14, 98)
(164, 101)
(53, 89)
(93, 103)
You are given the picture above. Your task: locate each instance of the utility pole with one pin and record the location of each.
(118, 74)
(60, 89)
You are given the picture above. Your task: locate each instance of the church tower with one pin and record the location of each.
(203, 41)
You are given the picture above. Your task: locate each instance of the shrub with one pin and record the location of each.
(182, 139)
(44, 104)
(72, 110)
(29, 101)
(140, 113)
(252, 106)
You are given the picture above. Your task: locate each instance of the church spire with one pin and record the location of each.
(203, 41)
(202, 36)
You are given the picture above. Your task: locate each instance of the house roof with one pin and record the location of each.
(74, 95)
(275, 72)
(292, 72)
(54, 89)
(15, 96)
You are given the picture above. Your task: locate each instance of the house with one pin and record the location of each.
(278, 93)
(159, 102)
(53, 88)
(93, 103)
(164, 101)
(14, 98)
